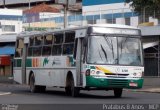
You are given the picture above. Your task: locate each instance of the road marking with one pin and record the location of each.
(5, 93)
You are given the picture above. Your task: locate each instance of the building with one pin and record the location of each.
(34, 18)
(11, 24)
(22, 4)
(151, 45)
(11, 21)
(113, 11)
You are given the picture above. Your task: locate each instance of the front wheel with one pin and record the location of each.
(68, 90)
(74, 90)
(118, 92)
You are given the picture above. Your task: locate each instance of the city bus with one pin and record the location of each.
(94, 57)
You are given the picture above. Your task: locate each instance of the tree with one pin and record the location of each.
(146, 7)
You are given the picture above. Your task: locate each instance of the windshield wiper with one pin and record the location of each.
(105, 54)
(100, 54)
(110, 44)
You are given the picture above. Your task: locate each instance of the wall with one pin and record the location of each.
(16, 24)
(100, 5)
(11, 12)
(100, 2)
(149, 81)
(115, 9)
(12, 18)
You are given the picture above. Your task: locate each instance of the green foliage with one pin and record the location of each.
(151, 7)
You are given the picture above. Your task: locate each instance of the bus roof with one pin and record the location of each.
(25, 34)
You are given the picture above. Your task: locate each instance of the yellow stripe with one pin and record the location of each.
(104, 70)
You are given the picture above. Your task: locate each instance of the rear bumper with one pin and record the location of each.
(114, 83)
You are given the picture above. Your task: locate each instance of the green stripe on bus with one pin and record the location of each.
(29, 63)
(92, 67)
(19, 62)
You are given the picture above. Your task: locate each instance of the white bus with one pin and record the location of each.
(105, 57)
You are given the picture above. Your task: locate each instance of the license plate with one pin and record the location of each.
(133, 84)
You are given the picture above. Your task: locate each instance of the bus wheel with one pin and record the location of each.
(41, 89)
(33, 87)
(118, 92)
(68, 90)
(74, 90)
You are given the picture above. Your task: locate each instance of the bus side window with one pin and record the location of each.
(68, 48)
(18, 53)
(69, 37)
(48, 39)
(56, 49)
(68, 45)
(37, 51)
(38, 40)
(31, 41)
(19, 48)
(30, 49)
(75, 49)
(46, 51)
(57, 44)
(58, 38)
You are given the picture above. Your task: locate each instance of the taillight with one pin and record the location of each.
(88, 72)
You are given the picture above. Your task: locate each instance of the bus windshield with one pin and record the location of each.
(114, 50)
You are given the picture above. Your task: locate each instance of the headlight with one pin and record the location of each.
(99, 72)
(137, 74)
(92, 72)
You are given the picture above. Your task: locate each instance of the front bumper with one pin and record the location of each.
(133, 83)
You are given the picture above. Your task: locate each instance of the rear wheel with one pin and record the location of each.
(118, 92)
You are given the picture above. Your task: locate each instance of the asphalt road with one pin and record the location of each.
(20, 94)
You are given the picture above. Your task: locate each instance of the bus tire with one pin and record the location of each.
(74, 90)
(41, 89)
(118, 92)
(68, 90)
(33, 87)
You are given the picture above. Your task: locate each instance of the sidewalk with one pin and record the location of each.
(150, 89)
(4, 79)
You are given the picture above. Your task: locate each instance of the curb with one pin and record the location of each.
(157, 90)
(4, 79)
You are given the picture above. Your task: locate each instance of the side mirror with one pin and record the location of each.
(85, 41)
(75, 49)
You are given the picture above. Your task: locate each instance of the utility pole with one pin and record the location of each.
(4, 3)
(29, 7)
(65, 14)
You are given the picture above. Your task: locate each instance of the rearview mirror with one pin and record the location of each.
(85, 41)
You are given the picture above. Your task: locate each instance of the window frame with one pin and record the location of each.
(35, 46)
